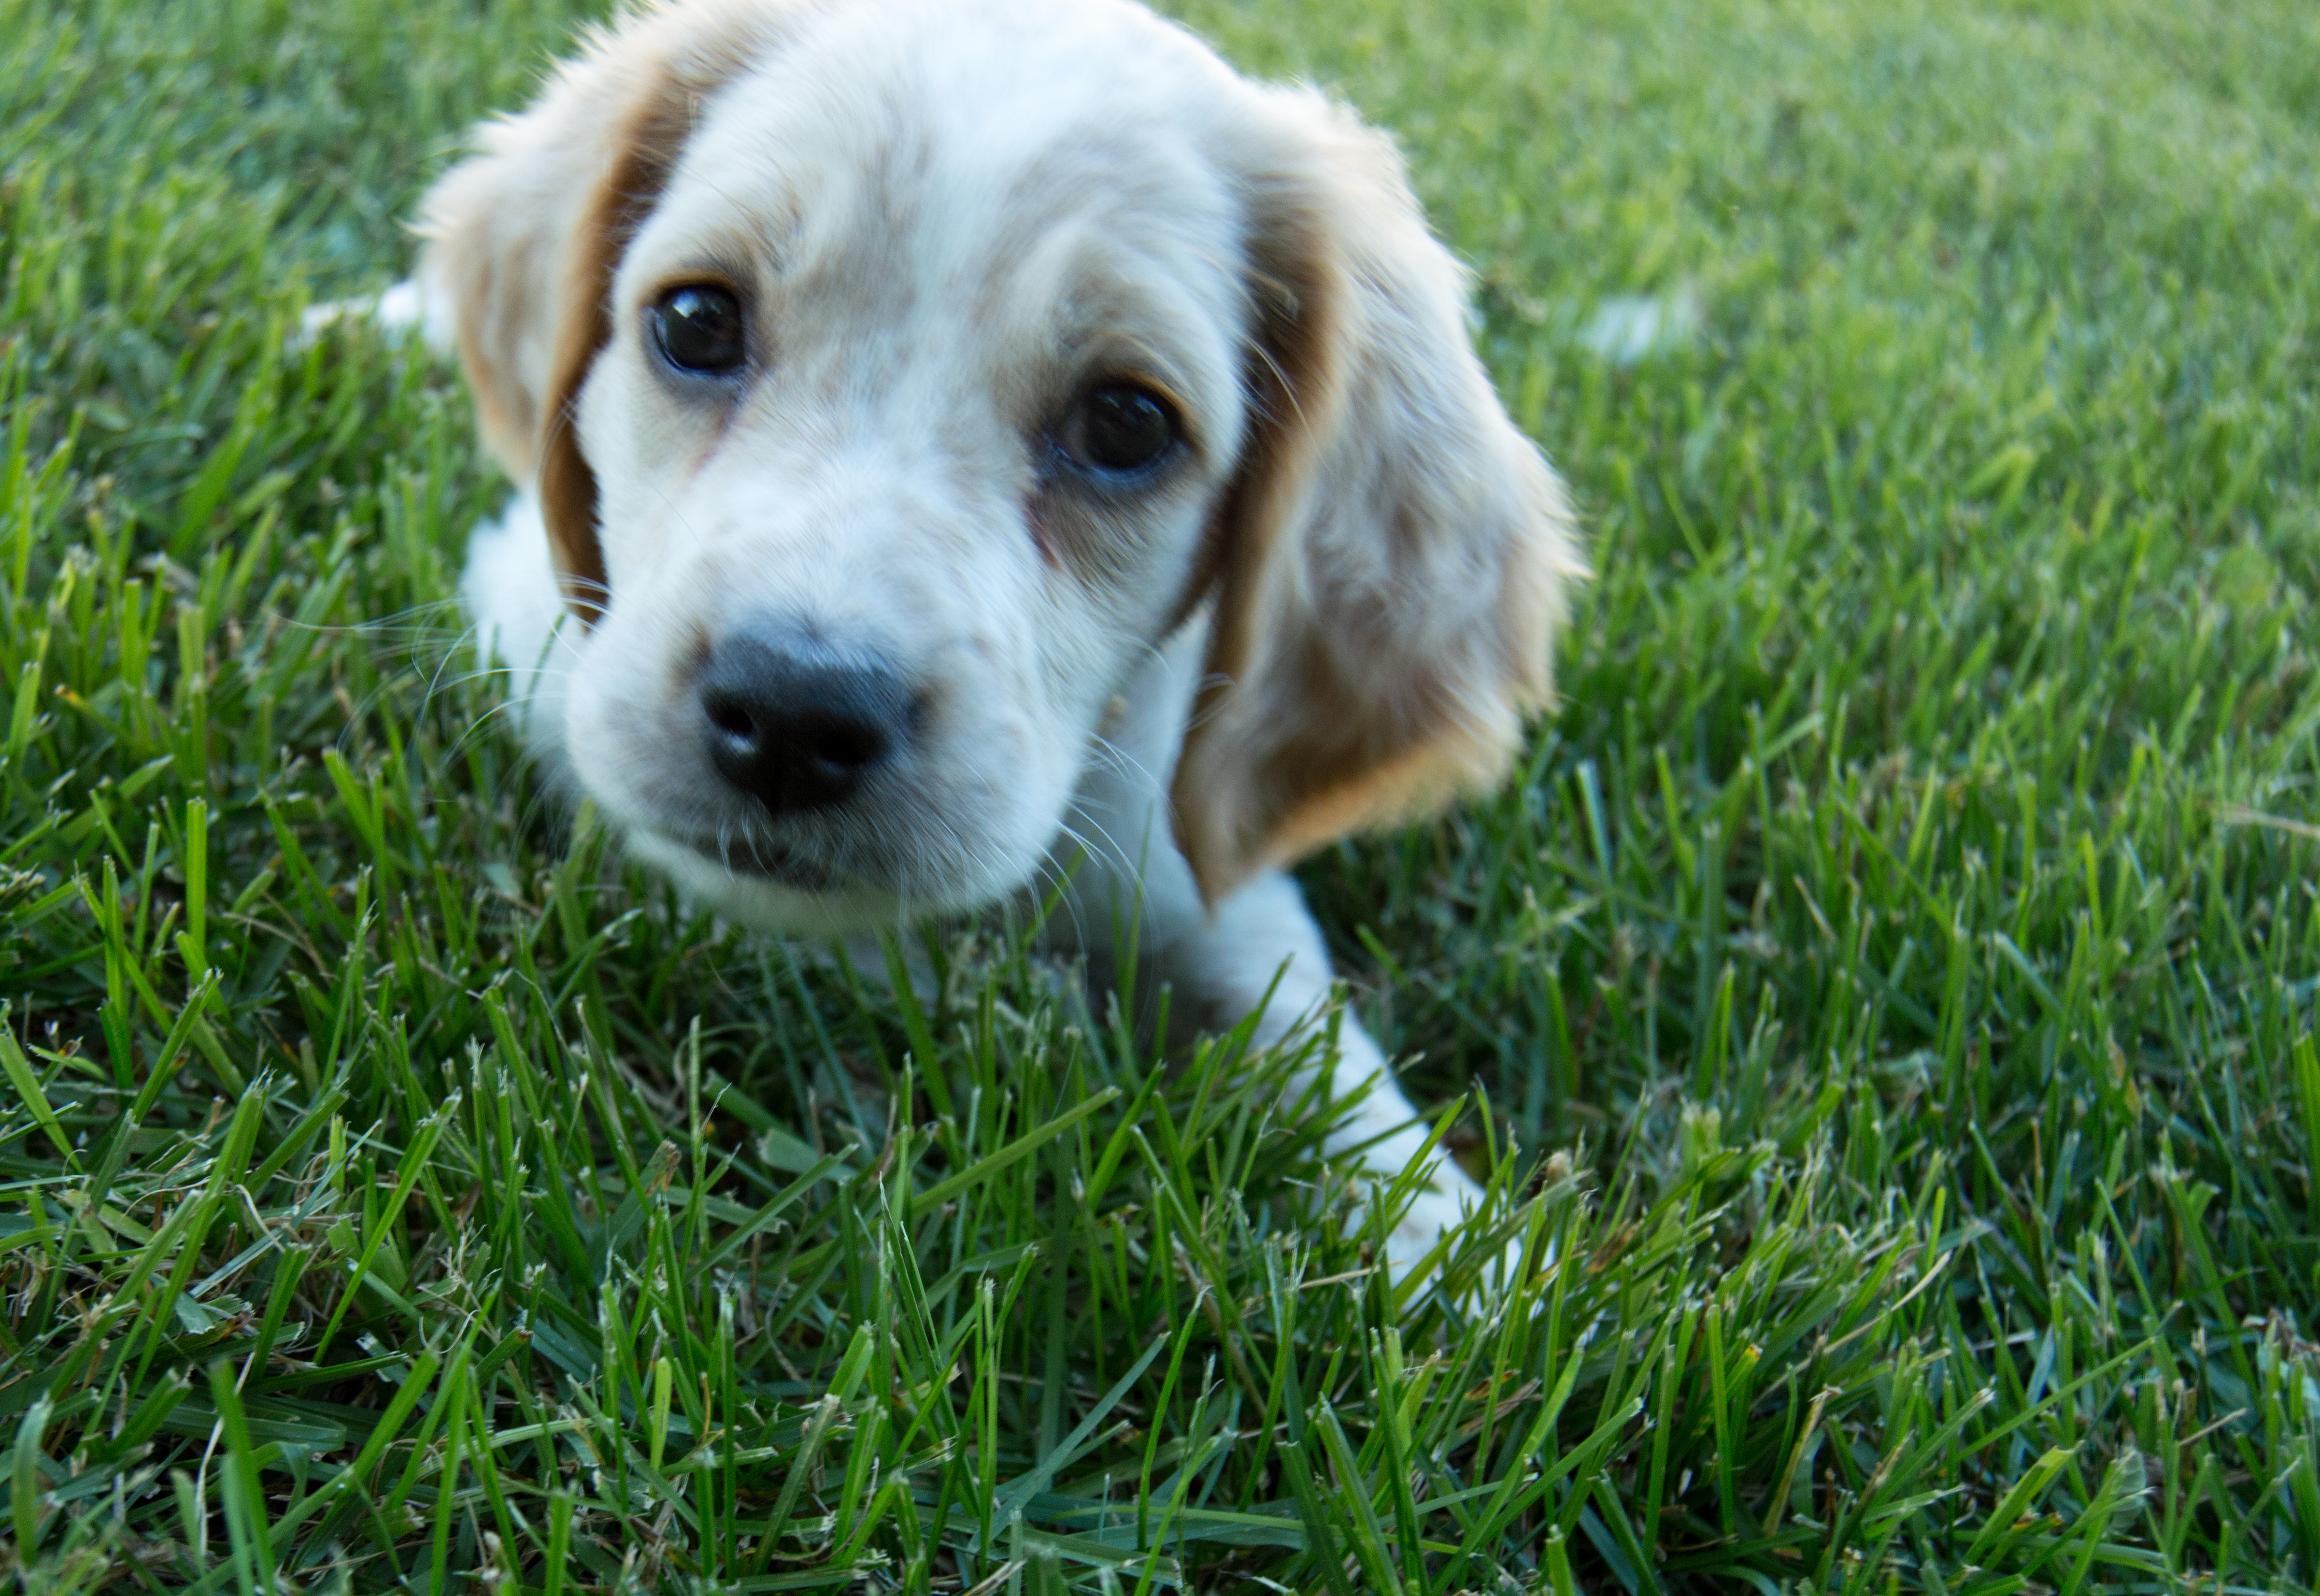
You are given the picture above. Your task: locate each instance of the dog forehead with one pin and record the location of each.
(971, 131)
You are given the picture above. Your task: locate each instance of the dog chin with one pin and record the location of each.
(792, 900)
(794, 897)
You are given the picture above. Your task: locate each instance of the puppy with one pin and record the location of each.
(969, 444)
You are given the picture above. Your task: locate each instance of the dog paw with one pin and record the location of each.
(1441, 1212)
(1448, 1210)
(1431, 1215)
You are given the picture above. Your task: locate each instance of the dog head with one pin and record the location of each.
(897, 376)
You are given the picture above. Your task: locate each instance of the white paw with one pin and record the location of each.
(1447, 1209)
(1392, 1139)
(1440, 1210)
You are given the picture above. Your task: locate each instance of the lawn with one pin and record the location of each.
(1882, 1006)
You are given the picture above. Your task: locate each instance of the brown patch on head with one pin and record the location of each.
(524, 238)
(1388, 564)
(658, 122)
(1294, 388)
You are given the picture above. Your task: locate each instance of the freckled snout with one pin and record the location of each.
(799, 724)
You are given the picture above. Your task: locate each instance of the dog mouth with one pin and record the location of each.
(758, 857)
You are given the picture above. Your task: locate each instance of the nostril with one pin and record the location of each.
(844, 745)
(730, 715)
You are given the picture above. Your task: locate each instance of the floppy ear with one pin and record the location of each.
(1392, 556)
(524, 237)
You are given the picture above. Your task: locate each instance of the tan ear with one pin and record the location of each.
(524, 237)
(1391, 558)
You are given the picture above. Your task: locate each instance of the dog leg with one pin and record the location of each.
(1225, 961)
(1264, 929)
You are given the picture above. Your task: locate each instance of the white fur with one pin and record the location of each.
(946, 220)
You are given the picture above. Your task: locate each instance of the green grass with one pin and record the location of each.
(1886, 997)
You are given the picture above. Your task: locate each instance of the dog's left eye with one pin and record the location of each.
(1120, 427)
(699, 328)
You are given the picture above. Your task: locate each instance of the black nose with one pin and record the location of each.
(797, 724)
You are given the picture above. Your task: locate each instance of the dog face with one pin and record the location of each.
(897, 377)
(878, 562)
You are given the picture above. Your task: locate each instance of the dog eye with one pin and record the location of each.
(1120, 427)
(699, 328)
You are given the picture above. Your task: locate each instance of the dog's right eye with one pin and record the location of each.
(699, 328)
